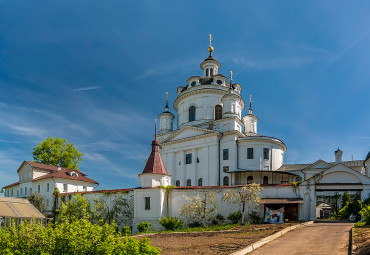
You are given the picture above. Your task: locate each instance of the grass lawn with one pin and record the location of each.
(224, 241)
(361, 240)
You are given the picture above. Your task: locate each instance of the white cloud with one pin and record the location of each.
(87, 88)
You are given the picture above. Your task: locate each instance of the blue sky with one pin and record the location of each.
(95, 73)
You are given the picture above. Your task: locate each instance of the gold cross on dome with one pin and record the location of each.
(166, 96)
(250, 98)
(210, 40)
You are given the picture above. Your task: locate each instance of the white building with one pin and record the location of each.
(215, 148)
(44, 179)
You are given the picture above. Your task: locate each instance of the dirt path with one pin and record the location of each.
(317, 238)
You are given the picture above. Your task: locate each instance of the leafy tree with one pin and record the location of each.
(37, 201)
(346, 198)
(57, 152)
(119, 209)
(248, 195)
(75, 209)
(200, 208)
(365, 213)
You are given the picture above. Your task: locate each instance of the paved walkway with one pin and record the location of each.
(317, 238)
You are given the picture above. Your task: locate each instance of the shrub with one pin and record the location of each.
(255, 217)
(235, 217)
(171, 223)
(77, 237)
(194, 224)
(126, 230)
(143, 226)
(343, 213)
(360, 224)
(216, 219)
(365, 213)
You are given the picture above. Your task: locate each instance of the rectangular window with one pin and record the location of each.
(84, 188)
(47, 187)
(65, 188)
(30, 191)
(225, 154)
(17, 192)
(38, 189)
(25, 191)
(266, 153)
(188, 158)
(225, 169)
(147, 203)
(21, 191)
(47, 202)
(12, 192)
(249, 153)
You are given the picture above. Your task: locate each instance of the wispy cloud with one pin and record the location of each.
(350, 46)
(87, 88)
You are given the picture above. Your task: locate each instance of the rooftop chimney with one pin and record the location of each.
(338, 156)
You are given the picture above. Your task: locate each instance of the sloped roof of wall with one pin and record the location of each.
(18, 208)
(292, 167)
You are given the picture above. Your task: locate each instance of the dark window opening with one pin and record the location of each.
(226, 181)
(266, 153)
(249, 179)
(207, 72)
(191, 113)
(198, 160)
(177, 183)
(219, 82)
(147, 203)
(249, 153)
(211, 71)
(225, 154)
(188, 182)
(188, 158)
(218, 112)
(200, 182)
(225, 169)
(265, 180)
(193, 83)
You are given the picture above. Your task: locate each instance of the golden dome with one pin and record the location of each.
(210, 48)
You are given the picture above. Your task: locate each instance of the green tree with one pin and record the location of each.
(57, 152)
(247, 195)
(346, 198)
(38, 201)
(200, 208)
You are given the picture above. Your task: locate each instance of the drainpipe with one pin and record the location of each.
(219, 160)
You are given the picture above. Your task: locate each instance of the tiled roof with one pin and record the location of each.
(64, 173)
(10, 185)
(292, 167)
(154, 164)
(99, 191)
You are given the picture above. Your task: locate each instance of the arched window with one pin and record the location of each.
(218, 112)
(200, 182)
(249, 179)
(207, 72)
(192, 113)
(212, 71)
(265, 180)
(226, 181)
(177, 183)
(188, 182)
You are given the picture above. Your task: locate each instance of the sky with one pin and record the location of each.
(96, 72)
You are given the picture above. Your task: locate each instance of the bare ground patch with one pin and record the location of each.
(221, 242)
(361, 240)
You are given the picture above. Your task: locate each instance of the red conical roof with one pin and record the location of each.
(154, 164)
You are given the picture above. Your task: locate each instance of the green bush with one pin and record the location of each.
(194, 224)
(171, 223)
(365, 213)
(216, 219)
(360, 224)
(143, 226)
(77, 237)
(235, 217)
(343, 213)
(255, 218)
(126, 230)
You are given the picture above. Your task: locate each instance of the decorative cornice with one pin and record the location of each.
(263, 138)
(191, 138)
(186, 128)
(197, 90)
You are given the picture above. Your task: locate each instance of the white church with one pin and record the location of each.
(215, 148)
